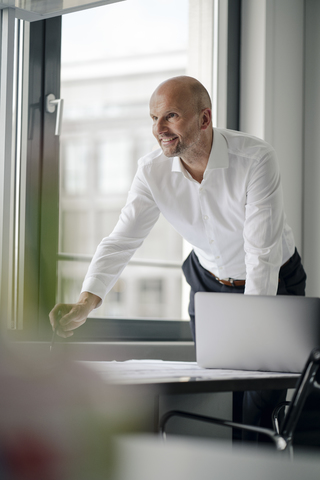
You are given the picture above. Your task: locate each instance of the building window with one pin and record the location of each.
(151, 293)
(113, 166)
(75, 157)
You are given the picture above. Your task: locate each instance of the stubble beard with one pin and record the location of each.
(177, 151)
(181, 148)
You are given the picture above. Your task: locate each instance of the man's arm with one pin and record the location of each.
(112, 255)
(115, 251)
(67, 317)
(263, 227)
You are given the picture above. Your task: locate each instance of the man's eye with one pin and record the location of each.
(171, 115)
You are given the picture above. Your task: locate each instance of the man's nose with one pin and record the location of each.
(160, 126)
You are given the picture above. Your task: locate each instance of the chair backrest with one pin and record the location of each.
(302, 421)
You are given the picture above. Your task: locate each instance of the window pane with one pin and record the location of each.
(107, 77)
(74, 161)
(113, 168)
(74, 226)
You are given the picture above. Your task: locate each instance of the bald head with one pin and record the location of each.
(180, 109)
(187, 89)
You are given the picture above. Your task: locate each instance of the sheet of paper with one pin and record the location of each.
(158, 371)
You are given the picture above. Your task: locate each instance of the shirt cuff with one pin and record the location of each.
(95, 286)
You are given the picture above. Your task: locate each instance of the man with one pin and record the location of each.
(220, 190)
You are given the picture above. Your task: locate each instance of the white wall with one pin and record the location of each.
(312, 148)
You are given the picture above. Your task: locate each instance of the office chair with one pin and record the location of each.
(301, 424)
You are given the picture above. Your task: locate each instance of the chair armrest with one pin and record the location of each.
(279, 441)
(275, 415)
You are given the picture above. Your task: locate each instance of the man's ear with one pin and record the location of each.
(205, 118)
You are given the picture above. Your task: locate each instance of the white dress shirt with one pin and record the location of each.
(234, 219)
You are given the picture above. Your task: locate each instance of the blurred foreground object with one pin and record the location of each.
(54, 420)
(145, 457)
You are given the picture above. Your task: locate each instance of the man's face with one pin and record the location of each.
(176, 124)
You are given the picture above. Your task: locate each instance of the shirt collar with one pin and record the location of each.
(176, 165)
(218, 157)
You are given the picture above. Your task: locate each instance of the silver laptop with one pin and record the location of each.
(251, 332)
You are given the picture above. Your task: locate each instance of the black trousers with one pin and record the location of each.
(257, 405)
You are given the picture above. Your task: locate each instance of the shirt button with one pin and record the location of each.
(217, 258)
(205, 217)
(211, 241)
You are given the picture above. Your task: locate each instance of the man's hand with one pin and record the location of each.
(66, 317)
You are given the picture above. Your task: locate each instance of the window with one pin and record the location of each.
(106, 90)
(106, 85)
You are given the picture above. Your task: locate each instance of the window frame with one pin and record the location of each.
(38, 214)
(42, 182)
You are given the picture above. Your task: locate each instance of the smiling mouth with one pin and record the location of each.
(167, 141)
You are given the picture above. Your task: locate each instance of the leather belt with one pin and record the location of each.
(230, 282)
(285, 263)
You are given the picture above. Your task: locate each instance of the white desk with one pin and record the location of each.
(187, 377)
(157, 386)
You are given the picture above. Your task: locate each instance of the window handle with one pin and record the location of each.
(51, 104)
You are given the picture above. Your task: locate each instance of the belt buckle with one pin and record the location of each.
(219, 280)
(224, 281)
